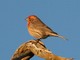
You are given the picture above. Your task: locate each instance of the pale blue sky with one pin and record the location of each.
(61, 15)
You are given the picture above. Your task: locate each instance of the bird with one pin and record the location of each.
(40, 30)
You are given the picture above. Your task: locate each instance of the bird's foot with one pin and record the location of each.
(37, 40)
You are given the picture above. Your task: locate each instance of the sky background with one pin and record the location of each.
(63, 16)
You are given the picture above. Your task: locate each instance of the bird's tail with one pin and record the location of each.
(62, 37)
(57, 35)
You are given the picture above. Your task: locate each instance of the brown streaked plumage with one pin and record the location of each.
(38, 29)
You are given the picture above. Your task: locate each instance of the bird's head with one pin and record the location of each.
(31, 18)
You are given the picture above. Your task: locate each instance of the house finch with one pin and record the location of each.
(38, 29)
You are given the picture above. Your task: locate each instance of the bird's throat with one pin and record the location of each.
(28, 23)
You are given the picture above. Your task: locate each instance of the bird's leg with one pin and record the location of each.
(37, 40)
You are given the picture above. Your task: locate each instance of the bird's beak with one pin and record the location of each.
(26, 19)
